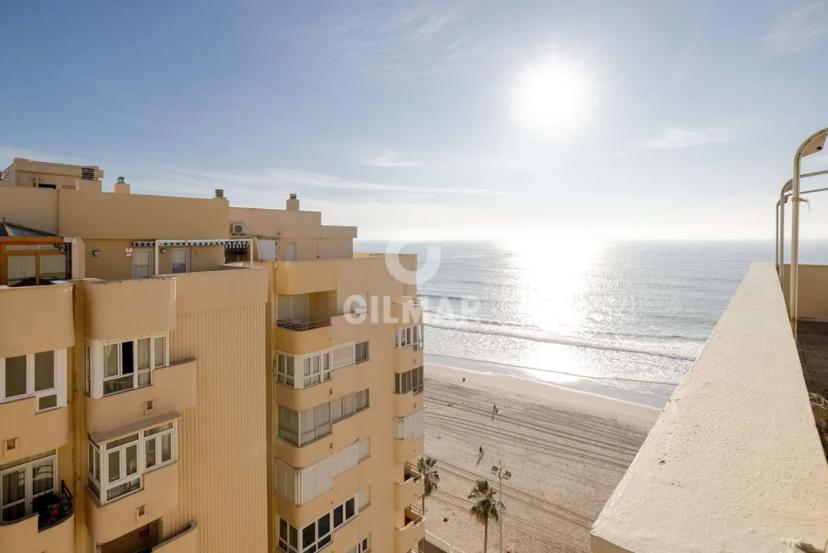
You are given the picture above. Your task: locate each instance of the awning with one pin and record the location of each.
(228, 244)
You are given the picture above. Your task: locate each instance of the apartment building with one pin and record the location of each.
(177, 375)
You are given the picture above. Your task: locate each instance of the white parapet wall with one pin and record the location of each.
(734, 463)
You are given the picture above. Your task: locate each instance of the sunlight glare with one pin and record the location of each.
(552, 96)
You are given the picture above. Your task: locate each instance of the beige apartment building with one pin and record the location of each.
(178, 376)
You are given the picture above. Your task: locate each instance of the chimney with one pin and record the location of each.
(292, 203)
(219, 192)
(120, 186)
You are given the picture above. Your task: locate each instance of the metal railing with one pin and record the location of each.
(295, 324)
(53, 513)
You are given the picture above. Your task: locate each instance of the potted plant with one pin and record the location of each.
(48, 504)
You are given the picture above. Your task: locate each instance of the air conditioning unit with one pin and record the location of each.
(238, 228)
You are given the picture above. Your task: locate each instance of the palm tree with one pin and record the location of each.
(484, 508)
(427, 467)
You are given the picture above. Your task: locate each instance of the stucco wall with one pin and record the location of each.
(734, 462)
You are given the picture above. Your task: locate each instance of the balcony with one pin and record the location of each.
(24, 431)
(158, 496)
(150, 304)
(407, 537)
(408, 449)
(407, 358)
(343, 433)
(407, 311)
(173, 388)
(36, 318)
(410, 490)
(734, 462)
(305, 277)
(343, 381)
(306, 336)
(51, 530)
(183, 542)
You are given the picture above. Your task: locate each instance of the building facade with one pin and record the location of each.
(177, 375)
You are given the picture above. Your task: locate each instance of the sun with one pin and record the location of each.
(552, 96)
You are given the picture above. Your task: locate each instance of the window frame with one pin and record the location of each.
(319, 541)
(58, 389)
(29, 495)
(97, 469)
(141, 377)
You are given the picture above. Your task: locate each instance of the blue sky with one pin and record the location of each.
(400, 117)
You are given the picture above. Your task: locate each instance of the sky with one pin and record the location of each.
(434, 120)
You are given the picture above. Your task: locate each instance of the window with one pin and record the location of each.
(361, 352)
(410, 426)
(318, 534)
(316, 368)
(32, 264)
(21, 483)
(143, 262)
(312, 424)
(409, 381)
(124, 365)
(122, 462)
(408, 336)
(180, 260)
(41, 374)
(361, 547)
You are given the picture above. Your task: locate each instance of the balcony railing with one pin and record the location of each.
(54, 509)
(410, 472)
(295, 324)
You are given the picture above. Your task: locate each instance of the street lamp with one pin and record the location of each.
(502, 474)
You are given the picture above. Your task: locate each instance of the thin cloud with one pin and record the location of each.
(800, 29)
(392, 159)
(686, 137)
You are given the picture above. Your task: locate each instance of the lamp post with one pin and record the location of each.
(502, 474)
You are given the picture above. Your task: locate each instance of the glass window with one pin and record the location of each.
(350, 509)
(143, 354)
(361, 352)
(309, 534)
(127, 358)
(13, 499)
(151, 456)
(15, 376)
(52, 267)
(21, 270)
(44, 370)
(111, 360)
(338, 516)
(160, 351)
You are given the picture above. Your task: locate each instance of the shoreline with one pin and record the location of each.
(545, 391)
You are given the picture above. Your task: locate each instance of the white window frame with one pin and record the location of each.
(283, 545)
(358, 401)
(101, 484)
(58, 390)
(314, 368)
(28, 495)
(97, 370)
(409, 336)
(410, 426)
(411, 380)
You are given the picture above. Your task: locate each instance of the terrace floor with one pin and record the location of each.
(812, 344)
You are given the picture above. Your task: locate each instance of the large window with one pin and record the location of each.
(22, 482)
(361, 547)
(409, 381)
(314, 423)
(303, 371)
(409, 336)
(124, 365)
(41, 374)
(115, 468)
(302, 485)
(33, 264)
(316, 535)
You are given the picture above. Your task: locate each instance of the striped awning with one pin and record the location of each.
(228, 244)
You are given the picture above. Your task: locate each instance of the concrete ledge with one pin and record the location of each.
(173, 389)
(149, 303)
(23, 536)
(183, 542)
(36, 318)
(734, 462)
(34, 432)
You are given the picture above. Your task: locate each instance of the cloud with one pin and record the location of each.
(391, 159)
(800, 29)
(688, 136)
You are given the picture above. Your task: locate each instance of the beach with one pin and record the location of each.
(566, 451)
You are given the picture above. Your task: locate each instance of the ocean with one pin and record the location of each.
(624, 319)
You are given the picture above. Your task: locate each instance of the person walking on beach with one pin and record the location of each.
(495, 411)
(479, 454)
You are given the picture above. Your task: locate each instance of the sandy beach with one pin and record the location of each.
(566, 451)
